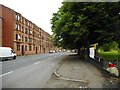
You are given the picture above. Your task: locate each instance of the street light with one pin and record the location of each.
(118, 33)
(117, 26)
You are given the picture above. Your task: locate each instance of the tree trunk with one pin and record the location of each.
(84, 53)
(87, 49)
(78, 53)
(87, 56)
(118, 47)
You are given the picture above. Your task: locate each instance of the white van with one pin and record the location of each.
(6, 53)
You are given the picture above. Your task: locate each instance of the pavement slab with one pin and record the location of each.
(73, 68)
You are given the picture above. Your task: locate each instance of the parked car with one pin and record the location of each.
(7, 53)
(50, 51)
(53, 51)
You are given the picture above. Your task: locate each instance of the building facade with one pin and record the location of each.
(0, 26)
(22, 35)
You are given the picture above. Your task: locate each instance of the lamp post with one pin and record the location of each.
(118, 21)
(118, 32)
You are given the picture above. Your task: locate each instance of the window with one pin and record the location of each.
(18, 26)
(31, 32)
(28, 24)
(40, 47)
(18, 47)
(26, 31)
(18, 37)
(23, 29)
(12, 51)
(30, 48)
(22, 38)
(33, 47)
(25, 48)
(30, 39)
(25, 39)
(32, 26)
(17, 17)
(25, 21)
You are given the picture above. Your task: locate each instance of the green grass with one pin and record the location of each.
(111, 55)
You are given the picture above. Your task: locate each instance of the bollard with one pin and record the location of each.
(100, 61)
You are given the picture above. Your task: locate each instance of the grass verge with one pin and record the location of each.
(110, 55)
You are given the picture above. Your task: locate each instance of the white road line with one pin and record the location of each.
(49, 58)
(80, 86)
(36, 62)
(1, 62)
(51, 54)
(83, 87)
(6, 73)
(52, 64)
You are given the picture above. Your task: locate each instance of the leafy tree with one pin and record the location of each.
(109, 46)
(78, 25)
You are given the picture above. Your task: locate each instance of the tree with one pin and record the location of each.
(78, 25)
(109, 46)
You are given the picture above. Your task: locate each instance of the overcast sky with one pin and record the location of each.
(37, 11)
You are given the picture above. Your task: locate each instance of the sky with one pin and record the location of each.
(38, 11)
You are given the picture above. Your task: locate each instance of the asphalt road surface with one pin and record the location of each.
(30, 71)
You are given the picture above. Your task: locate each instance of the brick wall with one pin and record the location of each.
(0, 32)
(22, 35)
(8, 25)
(0, 25)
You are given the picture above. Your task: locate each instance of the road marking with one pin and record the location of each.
(36, 62)
(51, 54)
(80, 87)
(55, 56)
(52, 64)
(6, 73)
(49, 58)
(83, 87)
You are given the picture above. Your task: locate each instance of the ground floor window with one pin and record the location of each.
(33, 47)
(18, 47)
(40, 48)
(30, 47)
(25, 48)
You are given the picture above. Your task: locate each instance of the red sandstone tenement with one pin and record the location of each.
(22, 35)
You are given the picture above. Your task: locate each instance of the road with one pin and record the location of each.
(30, 71)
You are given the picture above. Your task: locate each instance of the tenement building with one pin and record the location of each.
(22, 35)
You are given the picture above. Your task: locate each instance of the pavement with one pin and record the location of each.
(73, 72)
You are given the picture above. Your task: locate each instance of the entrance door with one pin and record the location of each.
(22, 49)
(44, 50)
(36, 50)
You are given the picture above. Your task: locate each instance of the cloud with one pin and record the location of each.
(37, 11)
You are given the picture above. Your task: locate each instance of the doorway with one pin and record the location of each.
(22, 49)
(36, 50)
